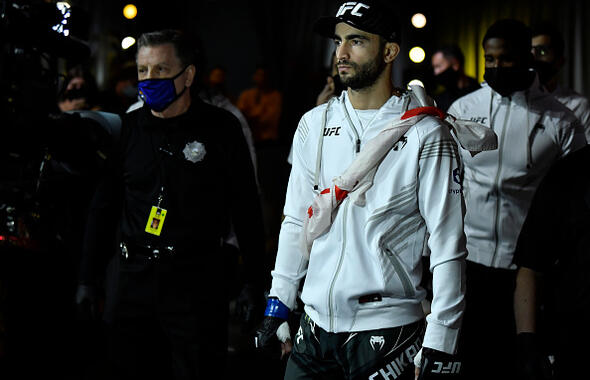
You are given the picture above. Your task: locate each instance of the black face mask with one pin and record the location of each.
(507, 80)
(75, 93)
(448, 79)
(545, 70)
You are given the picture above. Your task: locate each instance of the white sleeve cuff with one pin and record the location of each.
(441, 338)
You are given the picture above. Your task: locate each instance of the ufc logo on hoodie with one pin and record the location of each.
(354, 7)
(334, 131)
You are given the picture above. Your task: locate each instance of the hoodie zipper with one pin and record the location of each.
(339, 266)
(344, 208)
(497, 182)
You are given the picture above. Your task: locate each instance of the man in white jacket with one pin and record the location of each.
(534, 130)
(362, 295)
(548, 50)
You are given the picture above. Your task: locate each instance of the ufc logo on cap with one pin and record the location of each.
(353, 6)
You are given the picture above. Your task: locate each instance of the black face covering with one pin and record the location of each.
(507, 80)
(75, 93)
(545, 70)
(448, 79)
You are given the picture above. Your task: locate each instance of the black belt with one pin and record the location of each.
(130, 250)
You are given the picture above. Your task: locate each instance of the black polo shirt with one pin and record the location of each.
(201, 198)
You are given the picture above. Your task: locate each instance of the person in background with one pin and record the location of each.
(216, 82)
(80, 92)
(333, 86)
(262, 107)
(180, 177)
(214, 92)
(548, 50)
(534, 131)
(552, 259)
(448, 68)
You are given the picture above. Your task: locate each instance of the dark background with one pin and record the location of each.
(242, 34)
(39, 332)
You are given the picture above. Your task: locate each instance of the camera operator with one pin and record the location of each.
(80, 92)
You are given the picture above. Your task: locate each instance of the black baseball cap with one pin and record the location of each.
(370, 16)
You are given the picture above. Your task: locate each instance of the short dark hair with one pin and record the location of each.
(185, 47)
(452, 51)
(514, 32)
(548, 29)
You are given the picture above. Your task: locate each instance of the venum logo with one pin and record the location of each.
(377, 342)
(399, 145)
(333, 131)
(354, 7)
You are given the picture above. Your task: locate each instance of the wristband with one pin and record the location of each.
(275, 308)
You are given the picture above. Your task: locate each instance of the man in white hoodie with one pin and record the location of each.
(362, 295)
(534, 130)
(548, 49)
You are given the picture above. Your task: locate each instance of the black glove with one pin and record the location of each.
(266, 334)
(86, 302)
(271, 332)
(439, 365)
(531, 363)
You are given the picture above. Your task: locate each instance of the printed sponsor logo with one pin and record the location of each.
(299, 336)
(399, 145)
(457, 180)
(377, 342)
(457, 176)
(396, 367)
(333, 131)
(354, 7)
(450, 367)
(479, 119)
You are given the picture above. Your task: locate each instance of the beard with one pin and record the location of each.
(366, 74)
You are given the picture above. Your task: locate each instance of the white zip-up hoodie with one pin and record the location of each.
(578, 104)
(364, 273)
(534, 130)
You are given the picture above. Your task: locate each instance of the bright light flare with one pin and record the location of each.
(417, 54)
(419, 20)
(415, 82)
(127, 42)
(130, 11)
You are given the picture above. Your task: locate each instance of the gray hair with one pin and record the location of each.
(185, 48)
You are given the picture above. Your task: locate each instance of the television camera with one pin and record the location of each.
(42, 150)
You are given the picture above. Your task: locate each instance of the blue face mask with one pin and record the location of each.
(159, 93)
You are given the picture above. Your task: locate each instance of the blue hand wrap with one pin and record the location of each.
(275, 308)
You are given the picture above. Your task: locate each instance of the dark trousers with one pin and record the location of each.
(488, 338)
(375, 354)
(170, 321)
